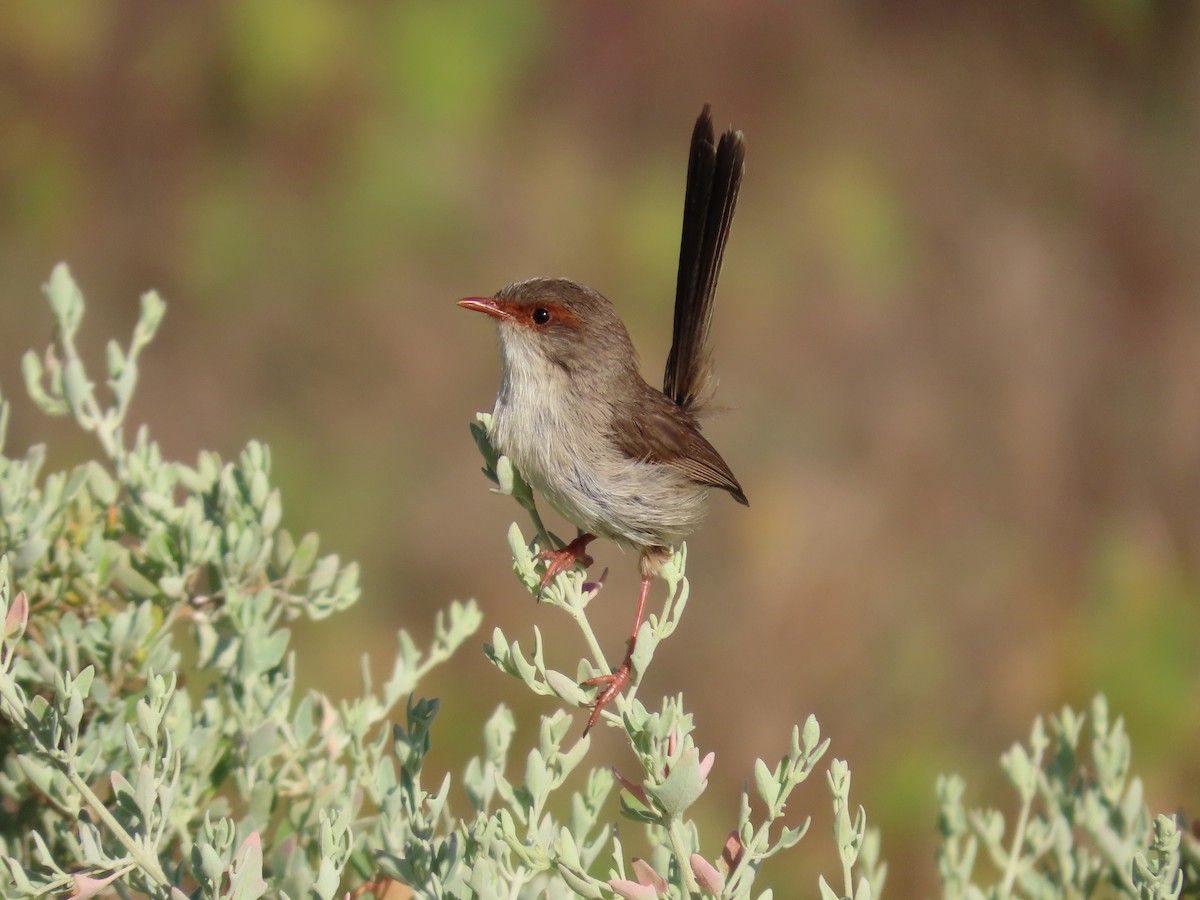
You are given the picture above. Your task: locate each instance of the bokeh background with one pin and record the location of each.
(958, 336)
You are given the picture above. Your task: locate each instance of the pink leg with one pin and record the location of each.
(561, 560)
(615, 683)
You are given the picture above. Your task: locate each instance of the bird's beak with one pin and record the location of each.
(485, 305)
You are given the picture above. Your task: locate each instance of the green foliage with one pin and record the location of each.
(671, 774)
(152, 740)
(118, 576)
(119, 772)
(1082, 830)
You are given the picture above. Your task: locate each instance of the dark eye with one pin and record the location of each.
(541, 316)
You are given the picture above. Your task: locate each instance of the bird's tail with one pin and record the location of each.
(713, 178)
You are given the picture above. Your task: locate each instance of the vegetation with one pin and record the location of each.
(153, 741)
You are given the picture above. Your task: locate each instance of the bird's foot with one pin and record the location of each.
(612, 686)
(559, 561)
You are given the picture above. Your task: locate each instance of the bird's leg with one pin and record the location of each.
(558, 561)
(615, 683)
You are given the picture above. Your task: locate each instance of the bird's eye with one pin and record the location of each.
(541, 316)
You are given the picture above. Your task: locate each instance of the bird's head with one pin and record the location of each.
(557, 322)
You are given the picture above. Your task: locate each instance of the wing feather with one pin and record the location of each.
(658, 431)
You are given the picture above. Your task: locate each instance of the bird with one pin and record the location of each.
(617, 457)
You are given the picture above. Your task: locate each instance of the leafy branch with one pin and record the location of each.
(673, 773)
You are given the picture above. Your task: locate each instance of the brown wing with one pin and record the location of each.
(658, 431)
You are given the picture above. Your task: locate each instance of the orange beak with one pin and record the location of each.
(485, 305)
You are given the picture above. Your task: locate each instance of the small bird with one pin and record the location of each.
(617, 457)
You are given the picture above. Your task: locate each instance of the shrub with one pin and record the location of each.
(153, 742)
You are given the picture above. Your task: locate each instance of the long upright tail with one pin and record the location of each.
(713, 178)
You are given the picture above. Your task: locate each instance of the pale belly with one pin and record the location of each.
(633, 502)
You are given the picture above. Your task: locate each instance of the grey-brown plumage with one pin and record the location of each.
(617, 457)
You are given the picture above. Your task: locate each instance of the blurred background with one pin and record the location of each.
(958, 337)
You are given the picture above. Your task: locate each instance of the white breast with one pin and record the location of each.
(559, 446)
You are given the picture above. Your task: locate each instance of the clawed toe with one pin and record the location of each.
(613, 685)
(559, 561)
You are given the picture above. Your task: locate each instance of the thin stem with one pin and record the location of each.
(690, 885)
(542, 534)
(1113, 850)
(751, 853)
(848, 876)
(579, 615)
(146, 861)
(1014, 853)
(96, 420)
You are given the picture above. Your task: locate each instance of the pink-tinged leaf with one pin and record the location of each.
(636, 790)
(731, 853)
(646, 875)
(86, 886)
(631, 890)
(706, 765)
(710, 880)
(253, 840)
(592, 588)
(120, 784)
(246, 879)
(18, 616)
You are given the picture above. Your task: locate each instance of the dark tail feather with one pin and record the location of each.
(714, 176)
